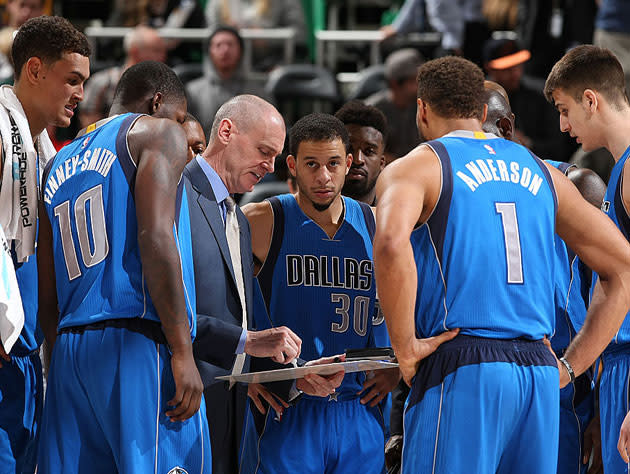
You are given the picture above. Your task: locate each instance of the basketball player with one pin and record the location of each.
(367, 129)
(51, 63)
(587, 87)
(124, 393)
(314, 253)
(194, 135)
(572, 287)
(478, 214)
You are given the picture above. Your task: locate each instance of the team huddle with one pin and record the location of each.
(501, 286)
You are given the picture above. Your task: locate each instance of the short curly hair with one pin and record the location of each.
(453, 87)
(317, 127)
(358, 113)
(148, 77)
(47, 38)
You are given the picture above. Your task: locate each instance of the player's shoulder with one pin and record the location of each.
(412, 164)
(258, 213)
(152, 132)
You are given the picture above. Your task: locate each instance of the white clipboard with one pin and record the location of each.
(291, 373)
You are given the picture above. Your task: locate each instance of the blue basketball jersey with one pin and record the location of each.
(31, 336)
(322, 288)
(88, 192)
(485, 257)
(614, 207)
(571, 296)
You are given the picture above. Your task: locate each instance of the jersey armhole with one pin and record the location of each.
(552, 187)
(623, 216)
(368, 215)
(265, 275)
(129, 166)
(438, 218)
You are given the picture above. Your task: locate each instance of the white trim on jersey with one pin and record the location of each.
(157, 415)
(437, 430)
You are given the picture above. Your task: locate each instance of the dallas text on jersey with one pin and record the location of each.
(325, 271)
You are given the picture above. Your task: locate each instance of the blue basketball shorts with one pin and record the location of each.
(105, 407)
(484, 406)
(316, 436)
(614, 395)
(576, 412)
(21, 396)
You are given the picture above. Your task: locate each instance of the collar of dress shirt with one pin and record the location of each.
(217, 185)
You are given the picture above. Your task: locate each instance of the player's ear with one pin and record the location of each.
(505, 126)
(348, 162)
(291, 165)
(589, 100)
(32, 69)
(485, 113)
(156, 102)
(225, 131)
(421, 113)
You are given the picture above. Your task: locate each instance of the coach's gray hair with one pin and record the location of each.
(244, 110)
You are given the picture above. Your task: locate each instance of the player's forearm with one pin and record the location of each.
(606, 313)
(396, 280)
(48, 321)
(162, 272)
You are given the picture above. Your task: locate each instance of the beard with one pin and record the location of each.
(321, 207)
(359, 188)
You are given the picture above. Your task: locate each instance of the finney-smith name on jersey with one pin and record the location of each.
(99, 160)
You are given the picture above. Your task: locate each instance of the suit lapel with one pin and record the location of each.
(246, 256)
(210, 209)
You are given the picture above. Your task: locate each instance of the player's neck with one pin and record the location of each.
(369, 198)
(36, 123)
(329, 219)
(450, 125)
(615, 126)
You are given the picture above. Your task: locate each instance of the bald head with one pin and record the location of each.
(495, 86)
(144, 44)
(499, 119)
(245, 111)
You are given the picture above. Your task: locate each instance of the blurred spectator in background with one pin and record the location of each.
(194, 135)
(260, 14)
(162, 13)
(17, 12)
(410, 18)
(460, 22)
(500, 14)
(548, 28)
(256, 14)
(536, 120)
(223, 77)
(612, 31)
(398, 102)
(141, 44)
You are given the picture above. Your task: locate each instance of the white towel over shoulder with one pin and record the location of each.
(11, 311)
(21, 174)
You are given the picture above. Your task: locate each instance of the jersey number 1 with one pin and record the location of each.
(513, 257)
(90, 256)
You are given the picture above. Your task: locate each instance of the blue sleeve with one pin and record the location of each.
(240, 348)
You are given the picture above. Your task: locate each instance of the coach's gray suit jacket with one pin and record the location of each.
(219, 314)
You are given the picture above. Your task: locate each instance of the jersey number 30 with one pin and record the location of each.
(360, 313)
(91, 254)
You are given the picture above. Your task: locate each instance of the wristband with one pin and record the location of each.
(568, 367)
